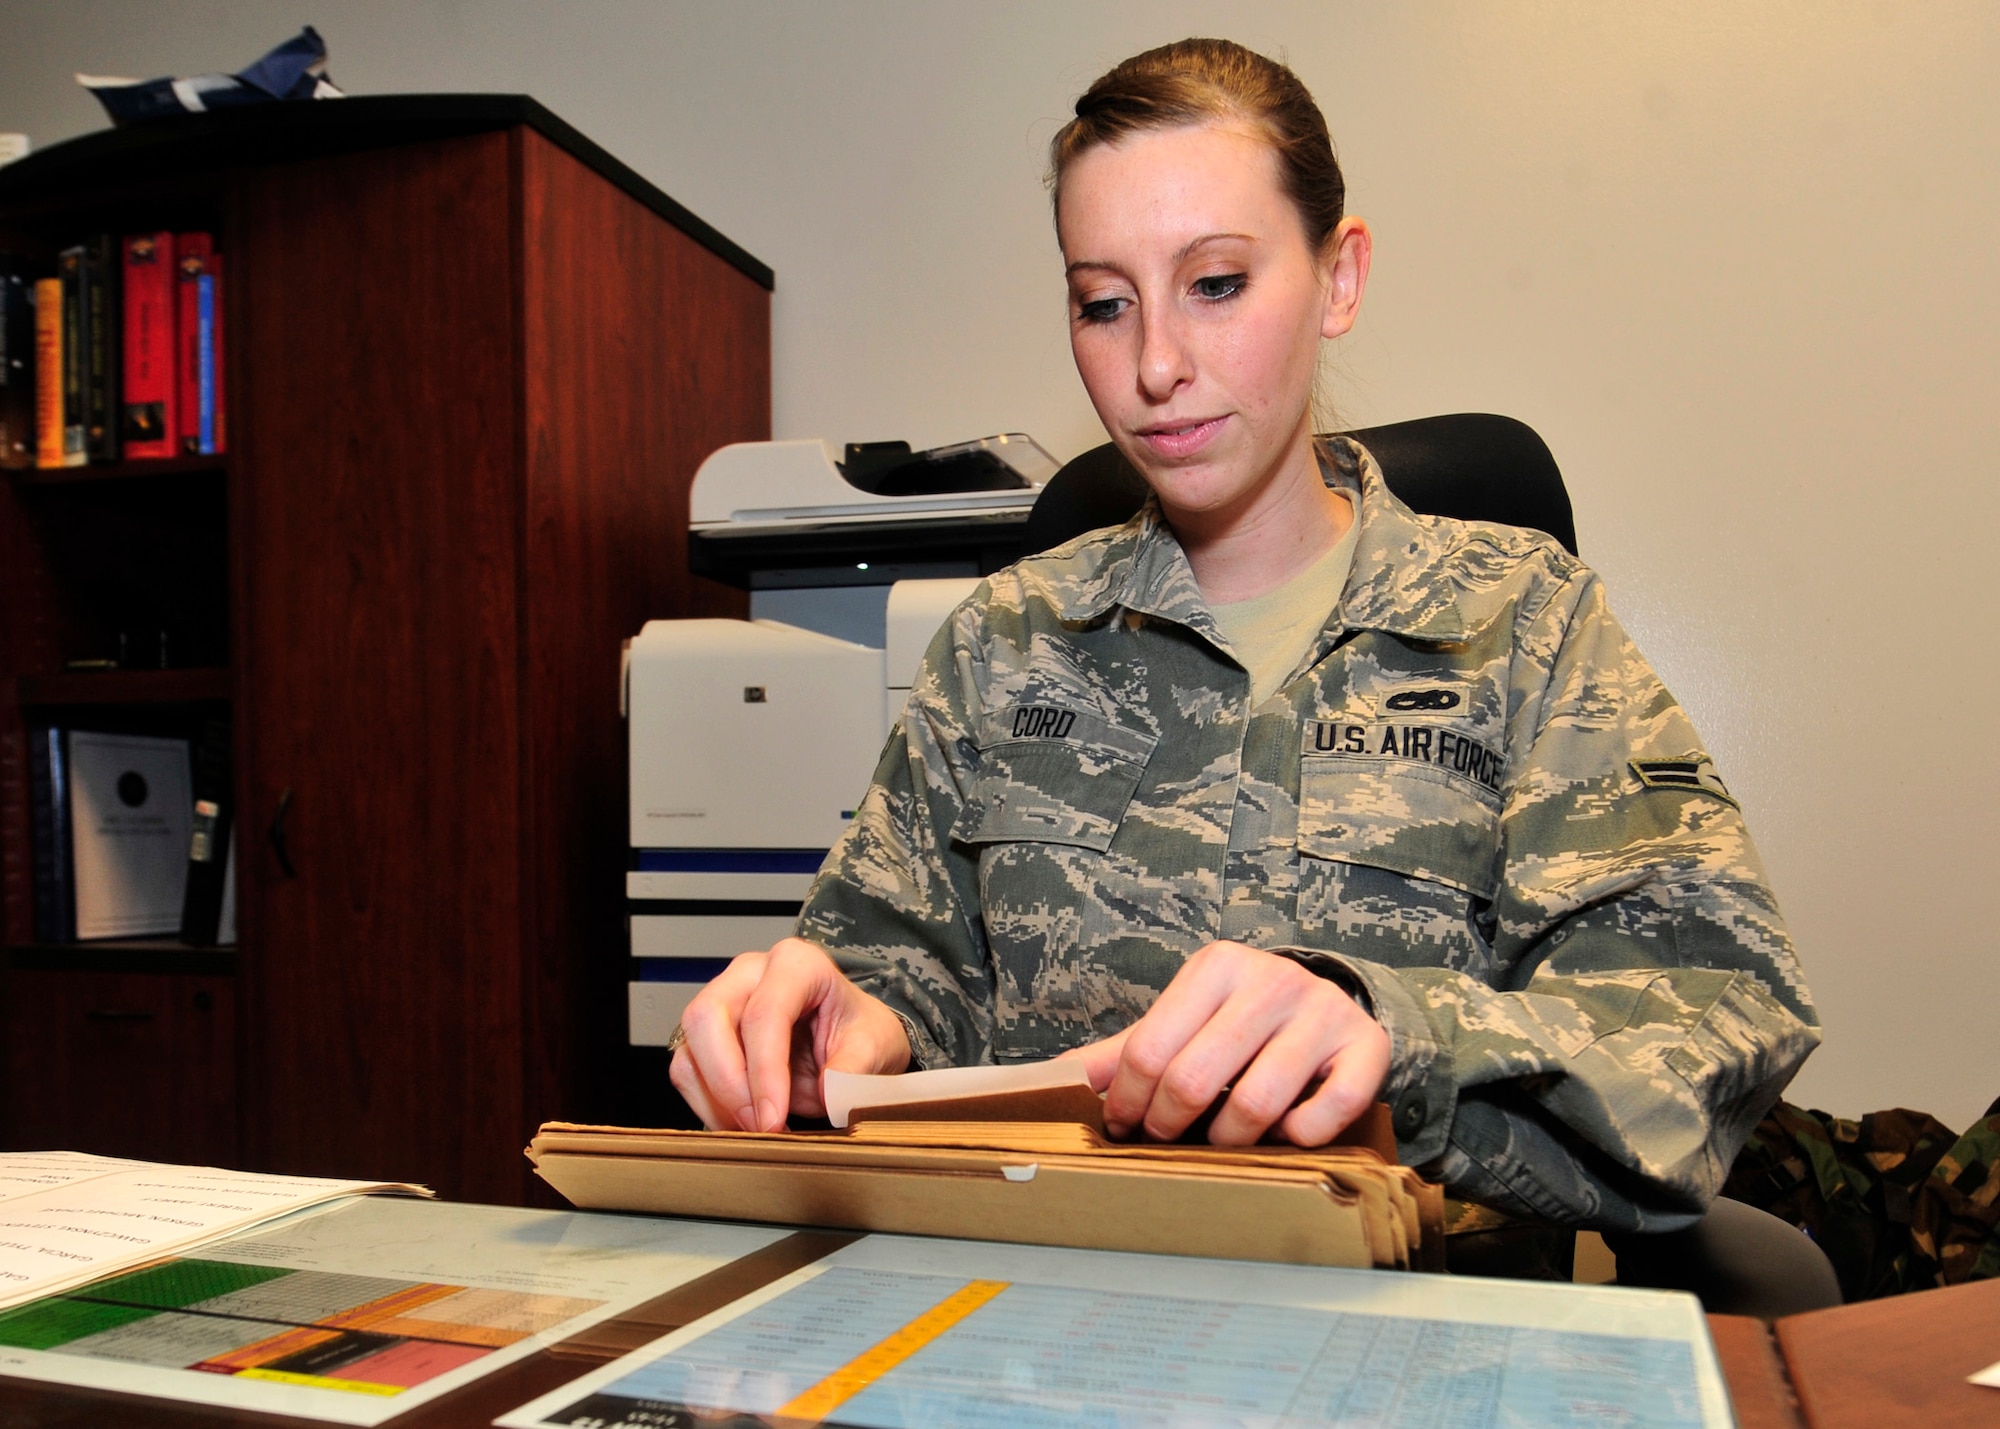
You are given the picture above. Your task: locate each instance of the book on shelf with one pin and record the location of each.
(209, 845)
(75, 393)
(131, 811)
(149, 428)
(48, 372)
(192, 252)
(225, 919)
(1024, 1163)
(17, 362)
(118, 356)
(208, 897)
(48, 815)
(214, 391)
(101, 358)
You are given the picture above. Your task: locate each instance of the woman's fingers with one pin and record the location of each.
(1353, 1082)
(806, 1066)
(1209, 1024)
(760, 1034)
(1136, 1097)
(1331, 1041)
(1261, 1026)
(713, 1054)
(685, 1073)
(1266, 1088)
(687, 1081)
(798, 978)
(1254, 1056)
(863, 1035)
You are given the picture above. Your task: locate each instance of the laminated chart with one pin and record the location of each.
(361, 1312)
(358, 1334)
(883, 1335)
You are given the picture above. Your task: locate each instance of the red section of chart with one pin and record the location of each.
(410, 1362)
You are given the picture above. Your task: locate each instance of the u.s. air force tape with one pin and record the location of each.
(1694, 774)
(1440, 746)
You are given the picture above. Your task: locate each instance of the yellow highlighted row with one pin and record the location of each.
(871, 1364)
(316, 1381)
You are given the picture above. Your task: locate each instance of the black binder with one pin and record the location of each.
(48, 773)
(208, 850)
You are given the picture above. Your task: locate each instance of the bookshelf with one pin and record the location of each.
(472, 364)
(125, 687)
(159, 468)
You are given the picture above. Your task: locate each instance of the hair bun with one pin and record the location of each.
(1197, 81)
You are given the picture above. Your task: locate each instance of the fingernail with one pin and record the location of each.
(746, 1117)
(768, 1116)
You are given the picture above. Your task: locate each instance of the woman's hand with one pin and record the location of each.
(1265, 1023)
(759, 1036)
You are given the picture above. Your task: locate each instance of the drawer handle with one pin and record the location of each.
(113, 1014)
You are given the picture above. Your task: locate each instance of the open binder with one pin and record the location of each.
(1034, 1181)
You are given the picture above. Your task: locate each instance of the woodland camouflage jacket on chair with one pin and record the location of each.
(1896, 1199)
(1474, 803)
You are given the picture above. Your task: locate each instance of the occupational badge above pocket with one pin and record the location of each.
(1052, 774)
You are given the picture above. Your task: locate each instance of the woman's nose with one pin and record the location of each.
(1164, 360)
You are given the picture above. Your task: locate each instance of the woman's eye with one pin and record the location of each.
(1100, 310)
(1220, 286)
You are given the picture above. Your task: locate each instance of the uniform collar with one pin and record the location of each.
(1400, 582)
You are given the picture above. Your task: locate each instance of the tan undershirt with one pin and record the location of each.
(1270, 632)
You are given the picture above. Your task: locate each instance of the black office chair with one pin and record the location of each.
(1471, 465)
(1478, 467)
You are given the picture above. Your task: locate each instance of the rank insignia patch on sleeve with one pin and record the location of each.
(1696, 775)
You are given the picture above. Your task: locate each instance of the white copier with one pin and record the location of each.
(751, 741)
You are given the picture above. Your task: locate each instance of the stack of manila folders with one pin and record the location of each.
(1016, 1154)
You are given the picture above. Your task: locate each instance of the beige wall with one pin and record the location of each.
(1736, 263)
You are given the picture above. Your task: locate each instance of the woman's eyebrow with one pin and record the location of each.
(1181, 254)
(1207, 238)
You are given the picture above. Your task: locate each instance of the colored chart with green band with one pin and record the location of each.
(357, 1312)
(356, 1334)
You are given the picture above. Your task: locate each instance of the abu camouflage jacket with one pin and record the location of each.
(1473, 803)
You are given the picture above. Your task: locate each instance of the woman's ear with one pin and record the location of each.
(1344, 275)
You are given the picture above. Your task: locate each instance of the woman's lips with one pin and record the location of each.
(1175, 440)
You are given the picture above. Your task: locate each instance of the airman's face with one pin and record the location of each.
(1197, 308)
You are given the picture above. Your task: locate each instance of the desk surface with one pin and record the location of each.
(1909, 1349)
(1898, 1361)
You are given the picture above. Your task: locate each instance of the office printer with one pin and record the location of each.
(751, 741)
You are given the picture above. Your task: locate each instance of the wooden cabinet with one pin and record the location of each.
(473, 365)
(147, 1058)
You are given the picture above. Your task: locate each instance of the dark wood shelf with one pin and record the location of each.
(197, 146)
(411, 664)
(124, 955)
(125, 687)
(155, 467)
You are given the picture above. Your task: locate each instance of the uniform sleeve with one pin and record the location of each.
(896, 903)
(1650, 1006)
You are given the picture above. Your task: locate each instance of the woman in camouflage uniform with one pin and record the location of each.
(1282, 795)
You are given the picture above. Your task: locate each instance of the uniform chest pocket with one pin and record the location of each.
(1419, 822)
(1052, 775)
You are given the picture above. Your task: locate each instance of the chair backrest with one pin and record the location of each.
(1471, 465)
